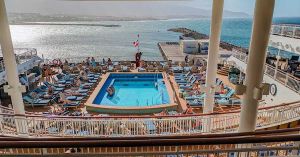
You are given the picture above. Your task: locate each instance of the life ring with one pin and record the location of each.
(273, 89)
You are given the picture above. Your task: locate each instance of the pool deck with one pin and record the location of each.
(130, 110)
(174, 53)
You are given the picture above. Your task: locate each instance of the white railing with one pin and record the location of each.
(292, 31)
(119, 126)
(145, 57)
(284, 78)
(26, 61)
(22, 56)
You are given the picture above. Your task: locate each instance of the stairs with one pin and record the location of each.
(224, 70)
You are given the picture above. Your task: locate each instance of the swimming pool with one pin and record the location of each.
(133, 91)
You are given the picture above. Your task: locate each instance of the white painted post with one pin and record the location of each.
(277, 62)
(263, 15)
(213, 54)
(14, 88)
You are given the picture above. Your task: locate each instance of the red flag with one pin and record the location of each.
(136, 43)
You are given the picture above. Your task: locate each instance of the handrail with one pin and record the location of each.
(118, 126)
(144, 116)
(285, 78)
(204, 136)
(150, 141)
(287, 30)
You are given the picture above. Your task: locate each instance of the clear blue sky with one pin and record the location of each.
(284, 8)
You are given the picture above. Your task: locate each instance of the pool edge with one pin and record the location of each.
(130, 110)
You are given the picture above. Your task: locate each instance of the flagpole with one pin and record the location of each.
(138, 42)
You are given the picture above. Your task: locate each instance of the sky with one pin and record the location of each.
(283, 8)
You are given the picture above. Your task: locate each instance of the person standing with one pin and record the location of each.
(93, 61)
(137, 59)
(186, 59)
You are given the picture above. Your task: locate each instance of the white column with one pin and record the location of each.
(262, 21)
(14, 88)
(213, 54)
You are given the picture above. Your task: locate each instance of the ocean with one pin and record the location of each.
(72, 41)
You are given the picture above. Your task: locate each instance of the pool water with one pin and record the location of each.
(134, 90)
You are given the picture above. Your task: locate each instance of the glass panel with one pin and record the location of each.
(293, 84)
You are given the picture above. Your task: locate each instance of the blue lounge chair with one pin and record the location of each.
(181, 75)
(29, 101)
(228, 95)
(195, 103)
(226, 101)
(186, 69)
(193, 97)
(187, 85)
(59, 86)
(74, 98)
(177, 69)
(71, 105)
(184, 81)
(140, 69)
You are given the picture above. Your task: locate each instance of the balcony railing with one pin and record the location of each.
(127, 126)
(284, 78)
(22, 56)
(292, 31)
(284, 142)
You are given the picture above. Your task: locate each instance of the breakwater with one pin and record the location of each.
(196, 35)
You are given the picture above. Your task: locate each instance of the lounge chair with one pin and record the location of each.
(110, 68)
(193, 97)
(187, 69)
(29, 101)
(195, 103)
(188, 84)
(150, 68)
(71, 105)
(228, 102)
(74, 98)
(228, 95)
(160, 68)
(179, 76)
(184, 80)
(57, 86)
(140, 69)
(125, 69)
(177, 69)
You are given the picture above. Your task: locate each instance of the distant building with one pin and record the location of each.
(197, 47)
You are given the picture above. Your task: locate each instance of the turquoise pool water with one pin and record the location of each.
(134, 90)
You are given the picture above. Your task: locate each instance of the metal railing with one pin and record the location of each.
(22, 56)
(99, 59)
(127, 126)
(284, 78)
(26, 59)
(284, 142)
(292, 31)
